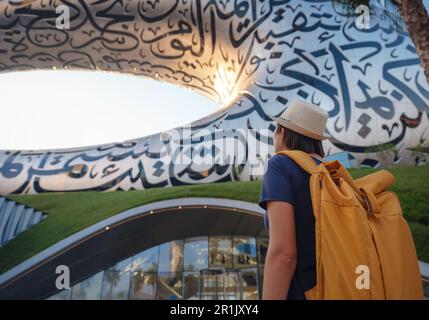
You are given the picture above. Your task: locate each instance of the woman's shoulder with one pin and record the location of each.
(282, 162)
(280, 159)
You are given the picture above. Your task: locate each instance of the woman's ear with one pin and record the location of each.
(283, 140)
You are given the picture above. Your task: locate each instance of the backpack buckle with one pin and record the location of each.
(368, 205)
(371, 202)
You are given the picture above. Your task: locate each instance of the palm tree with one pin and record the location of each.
(416, 18)
(413, 14)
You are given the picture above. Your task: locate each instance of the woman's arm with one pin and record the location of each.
(280, 262)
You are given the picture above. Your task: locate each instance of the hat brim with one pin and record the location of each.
(290, 125)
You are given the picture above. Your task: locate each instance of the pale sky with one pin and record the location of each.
(62, 109)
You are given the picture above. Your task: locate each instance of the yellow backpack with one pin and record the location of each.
(364, 247)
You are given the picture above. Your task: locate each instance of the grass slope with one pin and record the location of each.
(73, 211)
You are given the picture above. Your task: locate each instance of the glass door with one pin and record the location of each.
(222, 284)
(232, 285)
(212, 284)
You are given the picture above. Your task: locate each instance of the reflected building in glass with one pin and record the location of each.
(200, 268)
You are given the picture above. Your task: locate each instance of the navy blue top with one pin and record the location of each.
(285, 181)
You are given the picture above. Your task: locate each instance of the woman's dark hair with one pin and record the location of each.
(296, 141)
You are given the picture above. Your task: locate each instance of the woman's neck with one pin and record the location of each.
(314, 155)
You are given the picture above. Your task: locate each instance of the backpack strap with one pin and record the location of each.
(302, 159)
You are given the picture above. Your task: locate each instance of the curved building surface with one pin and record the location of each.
(180, 249)
(191, 248)
(253, 57)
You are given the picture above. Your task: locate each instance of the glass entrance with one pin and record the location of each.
(212, 284)
(215, 267)
(221, 284)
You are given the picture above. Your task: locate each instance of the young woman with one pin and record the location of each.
(290, 265)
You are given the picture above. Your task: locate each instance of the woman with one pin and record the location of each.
(290, 265)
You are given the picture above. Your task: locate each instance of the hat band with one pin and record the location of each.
(288, 124)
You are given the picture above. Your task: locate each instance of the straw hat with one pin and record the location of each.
(304, 118)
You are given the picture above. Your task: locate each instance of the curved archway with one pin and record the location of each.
(125, 234)
(252, 57)
(100, 103)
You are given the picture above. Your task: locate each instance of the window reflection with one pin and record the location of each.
(250, 284)
(244, 252)
(116, 281)
(191, 282)
(171, 256)
(215, 267)
(169, 286)
(143, 285)
(220, 252)
(196, 254)
(146, 261)
(61, 295)
(212, 284)
(232, 286)
(89, 289)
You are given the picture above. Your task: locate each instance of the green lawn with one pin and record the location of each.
(71, 212)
